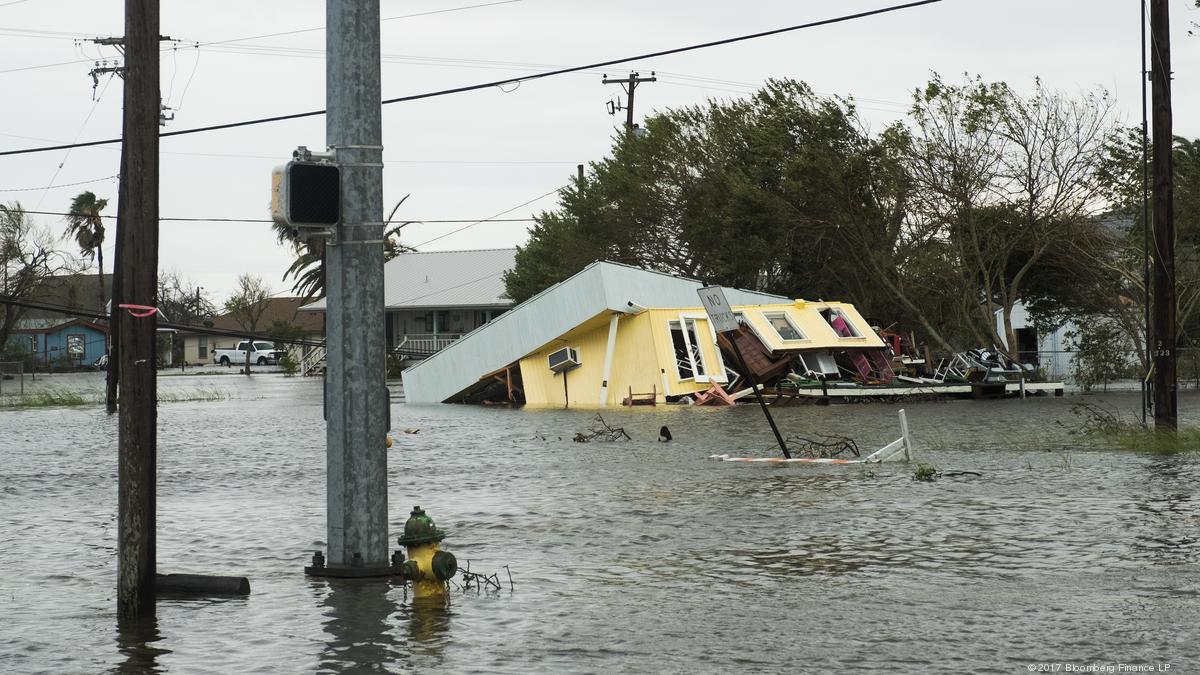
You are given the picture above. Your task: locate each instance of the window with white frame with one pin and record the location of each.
(689, 362)
(784, 328)
(840, 323)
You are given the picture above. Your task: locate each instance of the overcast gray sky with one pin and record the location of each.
(476, 154)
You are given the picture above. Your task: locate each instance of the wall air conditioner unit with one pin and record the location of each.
(563, 360)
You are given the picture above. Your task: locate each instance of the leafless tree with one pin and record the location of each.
(27, 257)
(1005, 177)
(247, 305)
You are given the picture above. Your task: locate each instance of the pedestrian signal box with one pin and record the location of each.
(306, 195)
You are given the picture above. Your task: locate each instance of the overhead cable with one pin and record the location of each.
(414, 221)
(497, 83)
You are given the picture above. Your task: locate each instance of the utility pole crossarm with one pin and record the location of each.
(629, 84)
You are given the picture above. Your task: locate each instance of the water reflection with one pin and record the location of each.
(1167, 511)
(429, 626)
(135, 641)
(360, 627)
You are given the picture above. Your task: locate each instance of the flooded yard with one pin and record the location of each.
(634, 556)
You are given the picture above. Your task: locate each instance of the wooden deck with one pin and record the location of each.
(915, 390)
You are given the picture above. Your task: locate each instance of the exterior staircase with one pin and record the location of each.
(313, 363)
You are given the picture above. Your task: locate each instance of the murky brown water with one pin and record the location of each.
(628, 557)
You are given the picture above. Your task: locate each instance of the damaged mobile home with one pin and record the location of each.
(613, 334)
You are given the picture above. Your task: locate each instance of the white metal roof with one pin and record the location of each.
(598, 288)
(439, 279)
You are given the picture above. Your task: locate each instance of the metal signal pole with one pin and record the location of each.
(1165, 357)
(356, 393)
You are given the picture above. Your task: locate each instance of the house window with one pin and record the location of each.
(202, 347)
(783, 326)
(840, 323)
(76, 345)
(689, 363)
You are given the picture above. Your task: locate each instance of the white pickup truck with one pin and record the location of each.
(261, 353)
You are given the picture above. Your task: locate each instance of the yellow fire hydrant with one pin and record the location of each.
(428, 568)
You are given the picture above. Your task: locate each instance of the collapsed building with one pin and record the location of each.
(614, 334)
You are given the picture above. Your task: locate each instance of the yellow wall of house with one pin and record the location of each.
(544, 387)
(807, 317)
(642, 354)
(660, 320)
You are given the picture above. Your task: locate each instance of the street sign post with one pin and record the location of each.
(719, 311)
(723, 320)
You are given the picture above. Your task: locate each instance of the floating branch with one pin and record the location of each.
(485, 582)
(822, 447)
(601, 431)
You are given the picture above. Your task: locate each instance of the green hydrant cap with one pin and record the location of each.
(420, 529)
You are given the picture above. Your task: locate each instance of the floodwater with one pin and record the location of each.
(636, 556)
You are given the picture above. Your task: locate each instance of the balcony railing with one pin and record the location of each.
(426, 343)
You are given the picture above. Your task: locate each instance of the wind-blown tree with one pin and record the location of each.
(307, 271)
(1006, 179)
(247, 305)
(938, 224)
(27, 257)
(782, 192)
(86, 227)
(1120, 267)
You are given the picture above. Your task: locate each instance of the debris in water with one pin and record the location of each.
(486, 582)
(823, 447)
(601, 431)
(925, 472)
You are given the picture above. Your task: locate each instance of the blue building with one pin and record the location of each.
(61, 340)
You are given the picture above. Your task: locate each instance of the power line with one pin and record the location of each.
(190, 328)
(65, 35)
(493, 219)
(47, 187)
(386, 18)
(268, 220)
(498, 83)
(499, 162)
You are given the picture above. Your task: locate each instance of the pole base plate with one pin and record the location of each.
(347, 572)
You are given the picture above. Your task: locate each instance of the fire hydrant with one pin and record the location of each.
(428, 568)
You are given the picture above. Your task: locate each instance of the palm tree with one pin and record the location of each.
(86, 227)
(308, 269)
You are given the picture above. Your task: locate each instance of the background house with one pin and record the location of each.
(62, 342)
(1052, 352)
(198, 347)
(432, 299)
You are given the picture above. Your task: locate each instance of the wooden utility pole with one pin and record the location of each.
(137, 268)
(629, 84)
(1166, 411)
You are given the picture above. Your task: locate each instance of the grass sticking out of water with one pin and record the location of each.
(1150, 440)
(44, 399)
(201, 394)
(66, 397)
